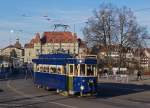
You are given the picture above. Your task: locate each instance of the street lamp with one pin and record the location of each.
(11, 31)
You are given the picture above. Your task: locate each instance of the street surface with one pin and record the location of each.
(21, 93)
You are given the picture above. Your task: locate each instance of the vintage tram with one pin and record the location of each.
(66, 73)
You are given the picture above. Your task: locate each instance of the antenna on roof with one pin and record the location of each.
(64, 26)
(74, 50)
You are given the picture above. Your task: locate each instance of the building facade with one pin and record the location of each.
(52, 42)
(14, 52)
(132, 58)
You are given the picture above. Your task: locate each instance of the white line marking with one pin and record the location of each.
(15, 90)
(9, 105)
(36, 99)
(60, 104)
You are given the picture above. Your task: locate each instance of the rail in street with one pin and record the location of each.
(22, 93)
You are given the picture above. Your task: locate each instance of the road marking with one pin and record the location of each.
(36, 99)
(60, 104)
(15, 90)
(14, 105)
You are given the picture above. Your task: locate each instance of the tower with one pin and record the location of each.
(17, 44)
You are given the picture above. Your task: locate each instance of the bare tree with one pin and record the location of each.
(130, 34)
(100, 29)
(114, 26)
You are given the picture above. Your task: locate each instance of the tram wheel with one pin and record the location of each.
(58, 91)
(35, 85)
(47, 88)
(39, 86)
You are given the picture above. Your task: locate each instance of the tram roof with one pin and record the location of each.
(58, 55)
(62, 59)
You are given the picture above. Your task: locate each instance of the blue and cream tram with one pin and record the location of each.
(65, 72)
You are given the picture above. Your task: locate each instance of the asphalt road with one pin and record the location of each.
(21, 93)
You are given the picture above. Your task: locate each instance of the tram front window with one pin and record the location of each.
(71, 69)
(76, 70)
(91, 70)
(82, 69)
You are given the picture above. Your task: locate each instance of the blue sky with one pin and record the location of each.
(25, 17)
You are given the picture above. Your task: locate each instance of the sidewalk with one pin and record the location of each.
(132, 79)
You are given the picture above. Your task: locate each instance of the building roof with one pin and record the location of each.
(57, 37)
(29, 45)
(36, 39)
(52, 37)
(16, 45)
(12, 46)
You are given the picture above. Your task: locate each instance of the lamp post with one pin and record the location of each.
(9, 52)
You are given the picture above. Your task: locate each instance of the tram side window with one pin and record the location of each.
(71, 69)
(53, 69)
(82, 69)
(59, 70)
(37, 69)
(47, 69)
(41, 68)
(44, 69)
(64, 69)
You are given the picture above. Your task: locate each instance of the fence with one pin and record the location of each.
(5, 72)
(117, 78)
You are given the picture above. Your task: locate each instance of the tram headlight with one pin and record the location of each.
(80, 61)
(81, 87)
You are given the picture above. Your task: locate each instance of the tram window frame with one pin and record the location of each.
(47, 69)
(41, 68)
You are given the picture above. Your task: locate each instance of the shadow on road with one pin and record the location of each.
(36, 100)
(108, 90)
(1, 90)
(25, 98)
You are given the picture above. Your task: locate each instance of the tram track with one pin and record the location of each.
(26, 99)
(35, 99)
(119, 103)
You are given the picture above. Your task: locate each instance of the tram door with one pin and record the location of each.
(70, 77)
